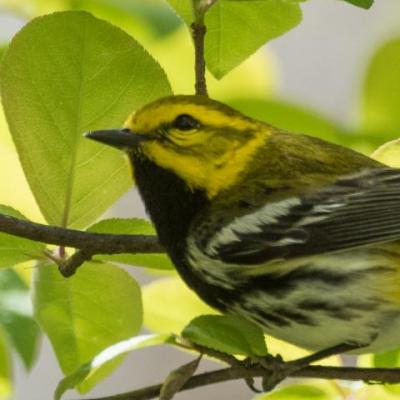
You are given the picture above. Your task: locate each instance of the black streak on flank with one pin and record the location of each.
(279, 285)
(295, 316)
(269, 318)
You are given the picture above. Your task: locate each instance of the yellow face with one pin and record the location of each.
(204, 142)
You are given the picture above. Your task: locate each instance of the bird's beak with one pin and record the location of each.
(120, 138)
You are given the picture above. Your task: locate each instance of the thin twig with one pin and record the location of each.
(199, 30)
(389, 375)
(87, 243)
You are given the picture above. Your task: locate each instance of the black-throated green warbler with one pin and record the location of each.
(294, 233)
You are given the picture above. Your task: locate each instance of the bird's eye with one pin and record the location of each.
(185, 122)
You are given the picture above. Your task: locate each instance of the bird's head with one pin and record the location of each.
(204, 142)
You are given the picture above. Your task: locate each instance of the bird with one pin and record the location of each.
(296, 234)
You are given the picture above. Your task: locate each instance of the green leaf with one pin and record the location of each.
(288, 116)
(299, 119)
(132, 226)
(227, 333)
(96, 308)
(236, 29)
(151, 261)
(114, 352)
(381, 91)
(177, 378)
(154, 14)
(299, 392)
(389, 154)
(361, 3)
(390, 359)
(169, 305)
(16, 316)
(5, 369)
(15, 250)
(3, 49)
(94, 80)
(123, 226)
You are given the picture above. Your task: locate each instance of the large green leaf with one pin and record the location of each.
(13, 249)
(16, 316)
(114, 352)
(236, 29)
(169, 305)
(94, 78)
(96, 308)
(227, 333)
(361, 3)
(381, 91)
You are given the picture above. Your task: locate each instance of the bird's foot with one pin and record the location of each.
(276, 371)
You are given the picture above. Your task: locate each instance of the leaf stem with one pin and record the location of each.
(199, 30)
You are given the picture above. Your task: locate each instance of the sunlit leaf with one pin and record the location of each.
(236, 29)
(83, 315)
(381, 91)
(227, 333)
(16, 316)
(14, 249)
(107, 356)
(15, 190)
(169, 305)
(94, 80)
(389, 154)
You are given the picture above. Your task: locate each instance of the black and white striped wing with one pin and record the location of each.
(355, 211)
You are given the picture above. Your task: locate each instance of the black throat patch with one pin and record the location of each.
(172, 206)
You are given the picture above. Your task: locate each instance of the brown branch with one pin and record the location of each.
(382, 375)
(99, 243)
(89, 243)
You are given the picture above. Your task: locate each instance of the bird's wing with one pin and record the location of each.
(356, 210)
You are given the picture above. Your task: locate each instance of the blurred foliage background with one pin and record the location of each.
(252, 87)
